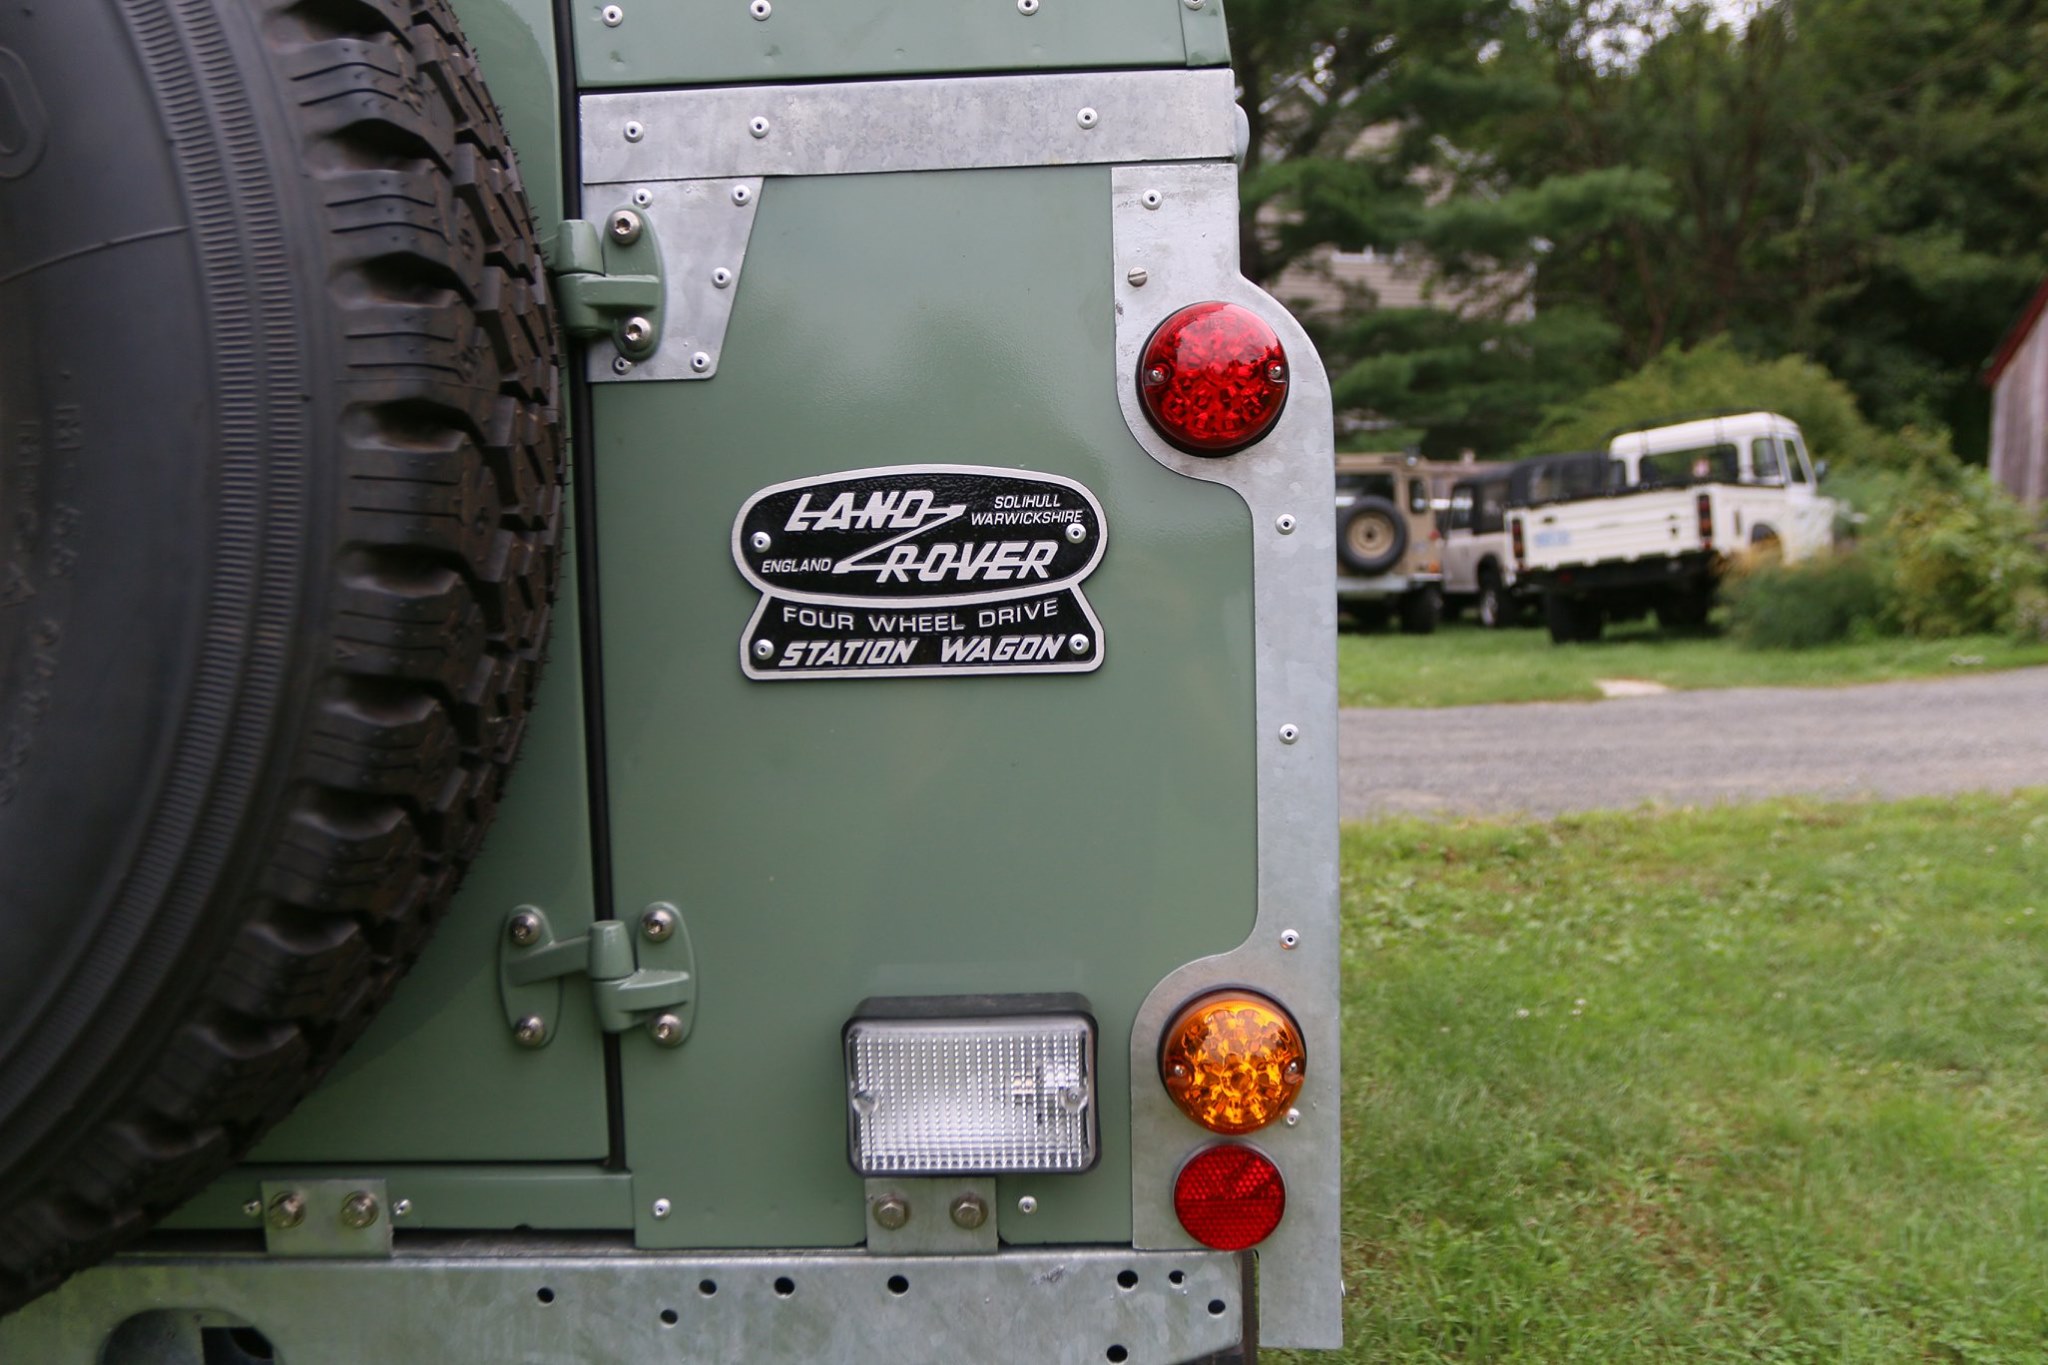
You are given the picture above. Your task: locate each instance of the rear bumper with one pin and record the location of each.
(1676, 571)
(489, 1300)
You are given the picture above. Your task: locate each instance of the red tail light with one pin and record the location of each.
(1213, 378)
(1515, 534)
(1229, 1197)
(1706, 511)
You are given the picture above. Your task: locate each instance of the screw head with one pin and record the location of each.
(634, 132)
(531, 1031)
(1087, 118)
(968, 1211)
(636, 332)
(764, 649)
(524, 929)
(359, 1210)
(621, 365)
(662, 1208)
(700, 361)
(613, 16)
(1027, 1204)
(666, 1029)
(1137, 277)
(742, 195)
(758, 126)
(1078, 643)
(891, 1211)
(1286, 523)
(1289, 939)
(401, 1208)
(1289, 733)
(1277, 373)
(1293, 1117)
(624, 227)
(658, 923)
(288, 1210)
(720, 278)
(760, 540)
(760, 9)
(253, 1209)
(1076, 532)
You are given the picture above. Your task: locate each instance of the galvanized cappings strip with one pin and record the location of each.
(869, 127)
(1178, 224)
(485, 1303)
(322, 1218)
(704, 229)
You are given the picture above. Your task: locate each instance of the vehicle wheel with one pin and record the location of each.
(283, 507)
(1685, 608)
(1421, 610)
(1492, 605)
(1373, 538)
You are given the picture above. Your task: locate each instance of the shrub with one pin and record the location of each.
(1957, 555)
(1773, 605)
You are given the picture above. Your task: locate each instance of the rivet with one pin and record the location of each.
(1193, 4)
(531, 1031)
(1289, 733)
(359, 1210)
(524, 929)
(658, 923)
(760, 540)
(1087, 118)
(1289, 938)
(666, 1029)
(764, 649)
(1136, 279)
(1076, 532)
(662, 1208)
(636, 332)
(253, 1209)
(701, 361)
(1285, 523)
(1293, 1117)
(624, 227)
(1027, 1204)
(1078, 643)
(634, 132)
(891, 1211)
(288, 1210)
(1151, 199)
(720, 278)
(643, 197)
(613, 16)
(968, 1211)
(401, 1208)
(1027, 7)
(760, 9)
(758, 126)
(741, 194)
(621, 365)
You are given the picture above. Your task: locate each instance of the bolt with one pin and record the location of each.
(1151, 199)
(720, 278)
(253, 1209)
(1078, 643)
(760, 9)
(524, 929)
(1289, 733)
(288, 1210)
(401, 1208)
(1076, 532)
(741, 195)
(658, 923)
(1027, 1204)
(1289, 938)
(968, 1211)
(700, 361)
(636, 332)
(531, 1031)
(634, 132)
(621, 365)
(613, 16)
(359, 1210)
(666, 1029)
(760, 540)
(1087, 118)
(764, 649)
(662, 1208)
(891, 1211)
(758, 126)
(1286, 522)
(1136, 279)
(624, 227)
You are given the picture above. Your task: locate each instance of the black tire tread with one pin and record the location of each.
(450, 537)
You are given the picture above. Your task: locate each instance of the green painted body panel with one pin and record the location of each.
(833, 839)
(554, 1198)
(719, 42)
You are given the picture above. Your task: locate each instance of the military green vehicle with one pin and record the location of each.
(830, 446)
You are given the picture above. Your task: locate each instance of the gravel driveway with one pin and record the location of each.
(1983, 733)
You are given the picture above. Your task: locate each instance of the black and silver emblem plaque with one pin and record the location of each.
(916, 571)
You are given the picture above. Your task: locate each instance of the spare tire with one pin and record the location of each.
(280, 512)
(1374, 536)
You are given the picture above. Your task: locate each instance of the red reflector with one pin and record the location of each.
(1213, 378)
(1229, 1197)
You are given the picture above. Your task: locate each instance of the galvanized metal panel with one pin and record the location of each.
(558, 1196)
(831, 840)
(731, 42)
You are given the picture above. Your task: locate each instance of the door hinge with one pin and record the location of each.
(608, 281)
(637, 977)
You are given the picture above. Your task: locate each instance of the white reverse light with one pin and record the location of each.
(971, 1096)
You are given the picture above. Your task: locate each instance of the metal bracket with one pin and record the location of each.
(533, 962)
(326, 1218)
(704, 253)
(608, 282)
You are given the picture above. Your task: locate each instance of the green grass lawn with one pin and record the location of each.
(1462, 665)
(1764, 1083)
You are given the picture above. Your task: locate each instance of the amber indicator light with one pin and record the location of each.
(1213, 378)
(1233, 1062)
(1229, 1197)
